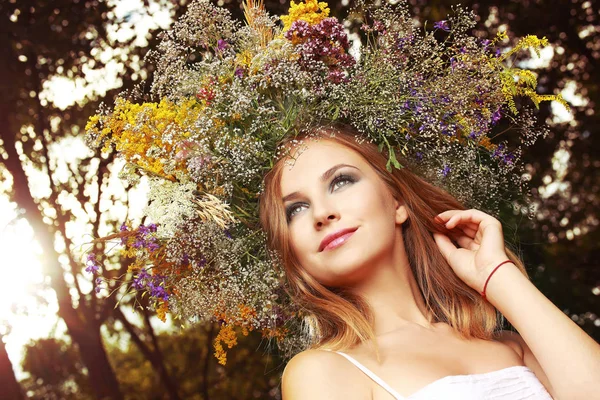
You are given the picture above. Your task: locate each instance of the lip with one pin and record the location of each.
(332, 236)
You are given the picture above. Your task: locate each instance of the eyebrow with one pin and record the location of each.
(326, 175)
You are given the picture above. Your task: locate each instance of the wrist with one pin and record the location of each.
(503, 283)
(490, 271)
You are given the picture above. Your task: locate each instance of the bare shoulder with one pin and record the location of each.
(511, 339)
(320, 374)
(529, 359)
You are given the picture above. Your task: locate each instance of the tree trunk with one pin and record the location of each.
(153, 355)
(85, 332)
(206, 369)
(11, 390)
(160, 361)
(102, 378)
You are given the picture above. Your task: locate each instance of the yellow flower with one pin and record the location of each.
(310, 11)
(136, 131)
(244, 58)
(228, 336)
(162, 309)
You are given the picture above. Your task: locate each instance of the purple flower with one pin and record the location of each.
(496, 116)
(92, 264)
(419, 156)
(158, 291)
(503, 155)
(222, 44)
(98, 289)
(139, 281)
(443, 25)
(403, 41)
(123, 227)
(143, 239)
(185, 259)
(92, 268)
(446, 170)
(239, 72)
(453, 63)
(154, 284)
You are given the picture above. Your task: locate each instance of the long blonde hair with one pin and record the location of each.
(341, 319)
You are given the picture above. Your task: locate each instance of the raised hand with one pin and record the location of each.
(481, 245)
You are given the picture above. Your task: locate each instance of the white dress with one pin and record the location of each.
(512, 383)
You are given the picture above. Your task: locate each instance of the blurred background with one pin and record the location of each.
(60, 59)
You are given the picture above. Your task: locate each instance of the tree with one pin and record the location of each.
(8, 382)
(57, 373)
(46, 42)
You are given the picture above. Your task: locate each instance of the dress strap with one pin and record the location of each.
(372, 375)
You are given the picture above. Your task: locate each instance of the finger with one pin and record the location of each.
(466, 230)
(472, 217)
(446, 215)
(466, 243)
(470, 232)
(444, 244)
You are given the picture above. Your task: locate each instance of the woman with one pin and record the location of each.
(390, 271)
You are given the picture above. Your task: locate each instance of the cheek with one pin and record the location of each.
(298, 239)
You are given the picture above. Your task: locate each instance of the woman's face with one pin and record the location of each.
(329, 188)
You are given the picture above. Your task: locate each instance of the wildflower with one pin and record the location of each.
(446, 170)
(139, 281)
(92, 264)
(222, 45)
(228, 336)
(310, 11)
(496, 116)
(453, 63)
(325, 41)
(379, 26)
(443, 25)
(502, 154)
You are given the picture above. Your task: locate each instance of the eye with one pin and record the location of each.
(338, 181)
(291, 210)
(341, 178)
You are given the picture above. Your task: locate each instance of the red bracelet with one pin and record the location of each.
(488, 279)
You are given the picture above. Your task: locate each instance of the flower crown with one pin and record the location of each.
(226, 95)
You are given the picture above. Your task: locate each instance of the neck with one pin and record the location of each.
(393, 294)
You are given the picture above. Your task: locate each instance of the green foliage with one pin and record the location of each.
(55, 370)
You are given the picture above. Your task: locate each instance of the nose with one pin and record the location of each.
(324, 214)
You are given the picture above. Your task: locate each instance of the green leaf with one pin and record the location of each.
(336, 113)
